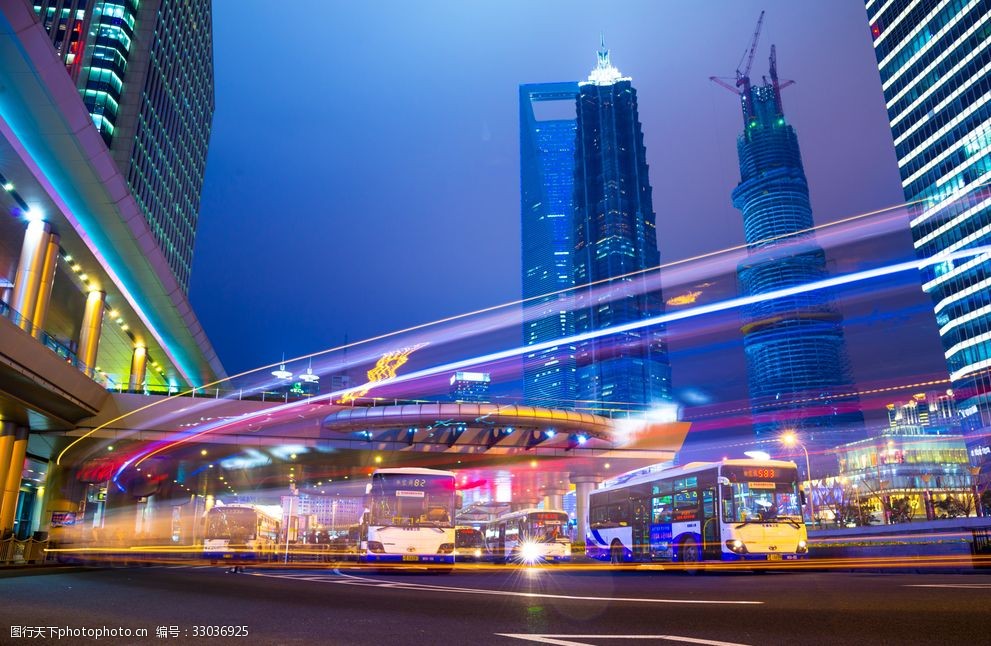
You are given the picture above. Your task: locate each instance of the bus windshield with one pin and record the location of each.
(235, 524)
(468, 537)
(547, 526)
(751, 501)
(412, 500)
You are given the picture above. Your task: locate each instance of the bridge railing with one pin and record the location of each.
(46, 339)
(22, 552)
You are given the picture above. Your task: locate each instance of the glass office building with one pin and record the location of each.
(144, 69)
(615, 240)
(934, 60)
(797, 365)
(547, 180)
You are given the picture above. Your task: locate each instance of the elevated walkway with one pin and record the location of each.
(40, 387)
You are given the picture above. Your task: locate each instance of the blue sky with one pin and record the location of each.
(363, 172)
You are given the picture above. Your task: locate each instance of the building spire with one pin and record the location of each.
(604, 72)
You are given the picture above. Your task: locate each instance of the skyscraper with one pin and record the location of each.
(935, 66)
(547, 180)
(145, 72)
(471, 387)
(797, 365)
(615, 241)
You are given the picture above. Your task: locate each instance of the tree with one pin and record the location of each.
(901, 510)
(950, 507)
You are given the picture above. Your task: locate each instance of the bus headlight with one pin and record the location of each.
(376, 547)
(478, 553)
(803, 547)
(445, 548)
(530, 552)
(736, 546)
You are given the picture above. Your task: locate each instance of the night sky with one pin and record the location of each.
(363, 173)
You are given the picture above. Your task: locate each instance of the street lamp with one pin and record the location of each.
(282, 373)
(789, 439)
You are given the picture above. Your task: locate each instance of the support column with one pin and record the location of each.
(47, 281)
(139, 359)
(525, 501)
(8, 432)
(553, 496)
(57, 483)
(29, 272)
(41, 495)
(584, 485)
(12, 484)
(89, 335)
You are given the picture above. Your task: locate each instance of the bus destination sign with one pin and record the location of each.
(739, 473)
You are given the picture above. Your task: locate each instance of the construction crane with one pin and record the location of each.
(743, 78)
(773, 67)
(742, 85)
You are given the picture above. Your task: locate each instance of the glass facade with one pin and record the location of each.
(470, 387)
(67, 23)
(904, 477)
(547, 179)
(797, 365)
(934, 60)
(615, 240)
(144, 69)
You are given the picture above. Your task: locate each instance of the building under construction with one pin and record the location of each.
(798, 370)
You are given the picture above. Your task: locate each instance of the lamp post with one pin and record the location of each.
(789, 439)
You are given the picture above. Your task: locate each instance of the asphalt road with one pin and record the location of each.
(546, 605)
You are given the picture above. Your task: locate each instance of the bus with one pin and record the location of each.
(734, 510)
(238, 533)
(530, 536)
(410, 517)
(469, 544)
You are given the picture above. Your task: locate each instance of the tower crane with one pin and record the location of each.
(742, 86)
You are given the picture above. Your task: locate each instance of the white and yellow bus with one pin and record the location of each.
(734, 510)
(410, 517)
(530, 536)
(239, 533)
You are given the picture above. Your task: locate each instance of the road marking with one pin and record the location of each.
(355, 580)
(965, 586)
(566, 640)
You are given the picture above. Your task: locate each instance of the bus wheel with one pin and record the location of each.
(616, 553)
(688, 556)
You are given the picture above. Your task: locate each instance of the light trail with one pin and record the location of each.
(485, 310)
(733, 303)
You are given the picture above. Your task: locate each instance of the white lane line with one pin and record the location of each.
(355, 580)
(566, 640)
(965, 586)
(296, 577)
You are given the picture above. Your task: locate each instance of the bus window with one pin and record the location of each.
(609, 515)
(729, 503)
(661, 512)
(468, 537)
(760, 501)
(686, 505)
